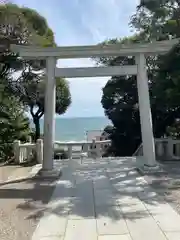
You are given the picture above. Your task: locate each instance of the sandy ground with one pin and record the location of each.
(21, 204)
(167, 183)
(11, 170)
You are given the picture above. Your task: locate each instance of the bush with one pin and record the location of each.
(13, 126)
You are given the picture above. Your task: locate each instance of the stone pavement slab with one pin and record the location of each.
(104, 200)
(84, 190)
(102, 183)
(144, 228)
(172, 235)
(53, 223)
(130, 201)
(81, 229)
(115, 237)
(165, 216)
(52, 238)
(50, 225)
(81, 210)
(110, 221)
(105, 197)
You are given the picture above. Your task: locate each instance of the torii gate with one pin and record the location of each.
(51, 54)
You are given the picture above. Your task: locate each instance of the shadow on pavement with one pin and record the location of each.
(108, 188)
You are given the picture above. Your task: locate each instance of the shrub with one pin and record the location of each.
(13, 126)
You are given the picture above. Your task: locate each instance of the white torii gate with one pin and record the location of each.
(51, 54)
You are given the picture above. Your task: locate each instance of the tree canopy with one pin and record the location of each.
(25, 26)
(153, 21)
(31, 92)
(22, 81)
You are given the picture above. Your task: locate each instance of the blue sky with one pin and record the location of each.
(82, 22)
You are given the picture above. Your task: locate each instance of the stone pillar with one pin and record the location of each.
(98, 150)
(177, 149)
(159, 149)
(16, 148)
(39, 150)
(85, 148)
(29, 139)
(93, 150)
(49, 116)
(170, 152)
(70, 152)
(145, 112)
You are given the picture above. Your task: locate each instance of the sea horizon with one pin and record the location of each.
(75, 128)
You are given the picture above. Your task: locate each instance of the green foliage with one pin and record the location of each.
(63, 95)
(174, 130)
(31, 92)
(19, 25)
(13, 124)
(25, 26)
(157, 19)
(119, 100)
(153, 21)
(168, 78)
(111, 61)
(108, 132)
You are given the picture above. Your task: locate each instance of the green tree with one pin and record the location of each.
(120, 102)
(25, 26)
(159, 20)
(31, 92)
(13, 124)
(21, 26)
(119, 98)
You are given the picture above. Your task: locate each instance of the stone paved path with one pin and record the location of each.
(106, 200)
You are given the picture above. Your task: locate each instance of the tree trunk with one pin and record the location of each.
(37, 128)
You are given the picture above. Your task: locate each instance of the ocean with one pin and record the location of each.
(74, 129)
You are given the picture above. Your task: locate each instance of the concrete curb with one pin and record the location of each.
(32, 174)
(16, 180)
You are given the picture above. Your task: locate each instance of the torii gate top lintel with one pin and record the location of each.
(94, 50)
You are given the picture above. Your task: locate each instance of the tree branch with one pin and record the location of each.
(31, 110)
(41, 114)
